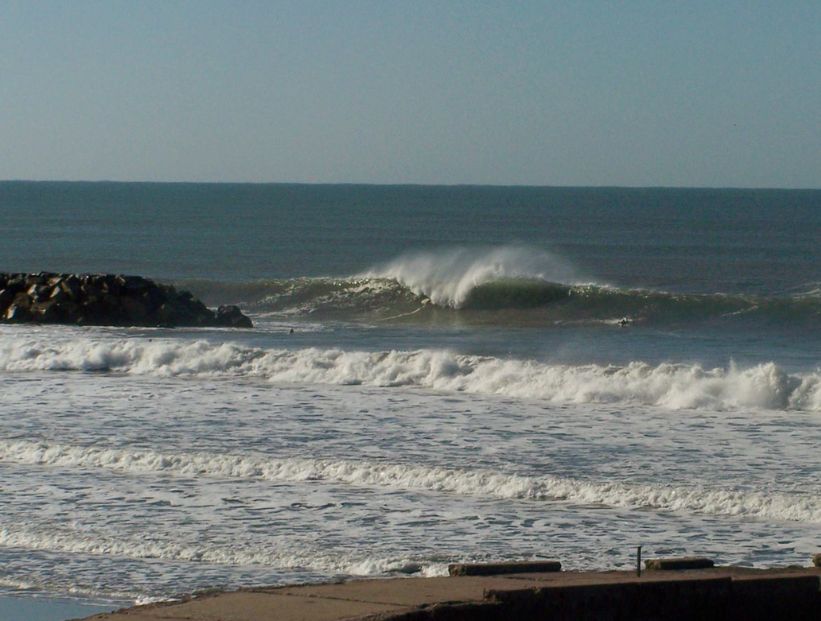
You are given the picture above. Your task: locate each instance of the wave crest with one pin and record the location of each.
(505, 300)
(675, 386)
(449, 277)
(302, 557)
(407, 477)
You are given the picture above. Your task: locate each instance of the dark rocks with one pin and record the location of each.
(106, 300)
(232, 317)
(6, 297)
(19, 309)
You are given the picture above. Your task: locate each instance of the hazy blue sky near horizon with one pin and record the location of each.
(538, 93)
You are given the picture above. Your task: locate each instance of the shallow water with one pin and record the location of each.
(16, 608)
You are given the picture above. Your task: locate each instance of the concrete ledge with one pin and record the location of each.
(493, 569)
(485, 611)
(703, 598)
(682, 562)
(716, 594)
(765, 598)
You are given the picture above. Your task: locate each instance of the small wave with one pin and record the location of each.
(405, 477)
(674, 386)
(18, 585)
(50, 589)
(94, 543)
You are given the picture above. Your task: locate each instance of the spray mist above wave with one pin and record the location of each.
(674, 386)
(448, 277)
(412, 477)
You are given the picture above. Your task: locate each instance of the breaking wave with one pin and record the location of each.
(91, 543)
(407, 477)
(675, 386)
(505, 284)
(450, 278)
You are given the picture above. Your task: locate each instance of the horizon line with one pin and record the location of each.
(418, 184)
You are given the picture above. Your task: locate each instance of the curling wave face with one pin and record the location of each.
(675, 386)
(450, 278)
(504, 285)
(504, 301)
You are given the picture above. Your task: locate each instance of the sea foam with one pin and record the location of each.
(674, 386)
(407, 477)
(99, 544)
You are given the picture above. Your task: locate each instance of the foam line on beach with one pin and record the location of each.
(315, 558)
(478, 483)
(669, 385)
(37, 589)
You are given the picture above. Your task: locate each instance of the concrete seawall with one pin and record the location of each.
(721, 593)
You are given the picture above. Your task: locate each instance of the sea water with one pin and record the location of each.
(436, 374)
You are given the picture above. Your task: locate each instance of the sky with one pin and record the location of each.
(709, 94)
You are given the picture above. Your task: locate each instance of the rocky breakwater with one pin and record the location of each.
(106, 300)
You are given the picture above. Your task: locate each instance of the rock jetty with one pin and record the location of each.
(106, 300)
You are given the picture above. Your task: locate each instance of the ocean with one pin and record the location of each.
(436, 374)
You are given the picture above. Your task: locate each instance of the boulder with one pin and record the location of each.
(135, 309)
(15, 282)
(49, 311)
(58, 294)
(106, 299)
(39, 292)
(6, 296)
(231, 317)
(19, 309)
(71, 286)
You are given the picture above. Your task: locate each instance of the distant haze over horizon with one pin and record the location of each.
(563, 94)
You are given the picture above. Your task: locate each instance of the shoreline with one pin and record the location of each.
(23, 606)
(515, 592)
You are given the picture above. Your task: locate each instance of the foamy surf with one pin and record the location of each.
(37, 588)
(674, 386)
(408, 477)
(303, 557)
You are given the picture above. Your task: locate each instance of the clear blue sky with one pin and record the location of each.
(546, 93)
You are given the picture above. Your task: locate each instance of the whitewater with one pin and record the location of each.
(677, 386)
(434, 375)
